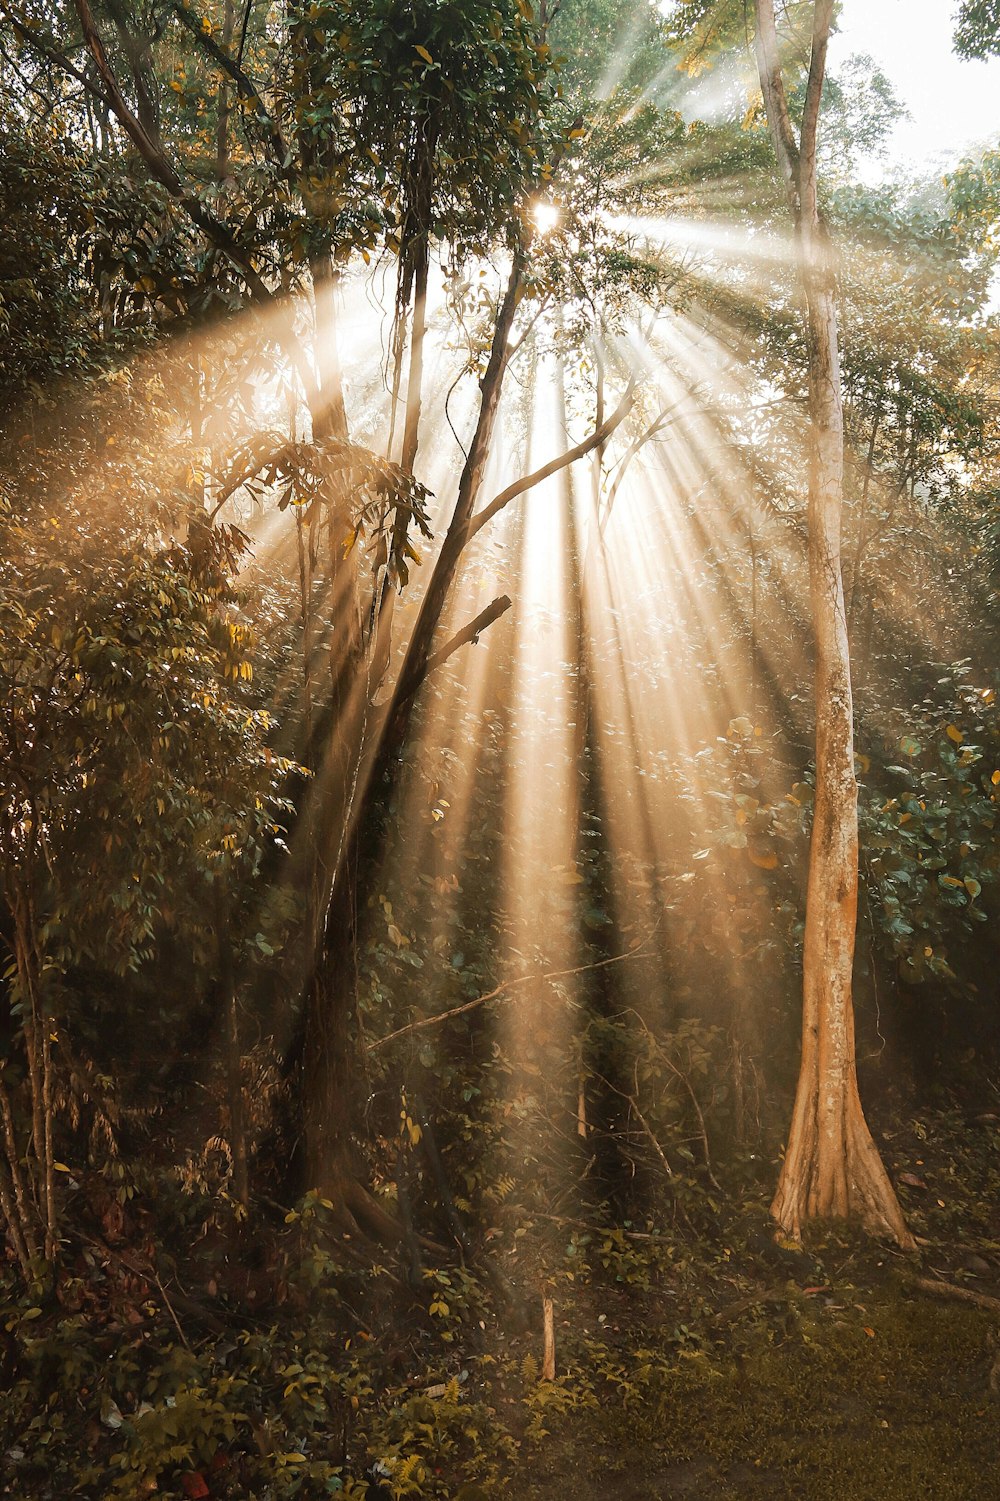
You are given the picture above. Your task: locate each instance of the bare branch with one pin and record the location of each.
(659, 422)
(469, 633)
(508, 985)
(579, 451)
(960, 1294)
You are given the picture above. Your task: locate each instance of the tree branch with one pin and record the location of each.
(165, 173)
(657, 425)
(155, 159)
(949, 1290)
(49, 50)
(822, 21)
(508, 985)
(245, 85)
(581, 449)
(160, 165)
(468, 633)
(772, 85)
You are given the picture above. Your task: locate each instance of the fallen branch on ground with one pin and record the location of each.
(951, 1290)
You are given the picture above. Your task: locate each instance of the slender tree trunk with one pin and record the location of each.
(37, 1032)
(859, 550)
(832, 1167)
(25, 1215)
(329, 1083)
(225, 98)
(234, 1056)
(327, 406)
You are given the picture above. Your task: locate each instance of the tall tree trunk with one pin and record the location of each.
(414, 269)
(329, 1083)
(832, 1167)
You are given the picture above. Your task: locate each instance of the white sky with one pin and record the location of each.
(954, 104)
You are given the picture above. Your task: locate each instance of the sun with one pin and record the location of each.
(545, 216)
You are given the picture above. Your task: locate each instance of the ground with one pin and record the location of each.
(696, 1357)
(731, 1368)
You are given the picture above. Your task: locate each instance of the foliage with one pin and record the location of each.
(198, 554)
(977, 28)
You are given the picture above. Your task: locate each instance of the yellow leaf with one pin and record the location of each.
(972, 886)
(424, 54)
(954, 733)
(995, 779)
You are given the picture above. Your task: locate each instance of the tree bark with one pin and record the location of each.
(329, 1082)
(832, 1168)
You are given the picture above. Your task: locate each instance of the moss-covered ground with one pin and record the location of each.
(845, 1402)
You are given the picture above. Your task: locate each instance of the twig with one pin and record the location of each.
(679, 1074)
(732, 1311)
(170, 1310)
(548, 1372)
(506, 985)
(633, 1104)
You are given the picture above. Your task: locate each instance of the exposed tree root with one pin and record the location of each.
(365, 1218)
(833, 1170)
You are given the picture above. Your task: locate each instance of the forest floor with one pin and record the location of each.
(739, 1368)
(695, 1357)
(853, 1394)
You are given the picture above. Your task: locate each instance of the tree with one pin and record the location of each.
(137, 782)
(977, 28)
(831, 1167)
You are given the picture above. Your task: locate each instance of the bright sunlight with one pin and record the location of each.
(499, 752)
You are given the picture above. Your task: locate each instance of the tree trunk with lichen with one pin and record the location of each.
(832, 1168)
